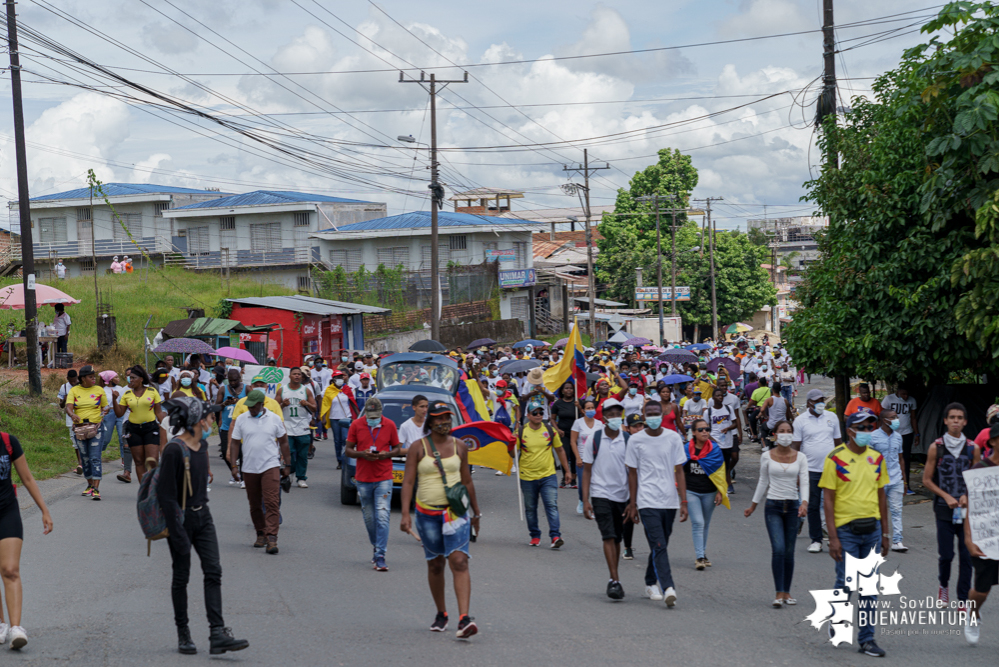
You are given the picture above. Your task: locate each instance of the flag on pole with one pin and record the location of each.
(571, 366)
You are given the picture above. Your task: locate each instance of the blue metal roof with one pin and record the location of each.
(265, 197)
(418, 219)
(121, 189)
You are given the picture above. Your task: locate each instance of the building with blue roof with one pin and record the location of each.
(74, 227)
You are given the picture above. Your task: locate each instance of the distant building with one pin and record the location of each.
(793, 235)
(484, 201)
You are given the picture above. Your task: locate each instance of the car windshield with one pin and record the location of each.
(400, 410)
(418, 374)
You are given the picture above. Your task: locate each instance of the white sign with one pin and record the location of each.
(31, 281)
(275, 377)
(983, 509)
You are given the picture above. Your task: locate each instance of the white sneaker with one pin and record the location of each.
(232, 481)
(302, 484)
(499, 473)
(898, 546)
(579, 507)
(18, 638)
(670, 596)
(653, 592)
(4, 631)
(815, 547)
(242, 484)
(971, 632)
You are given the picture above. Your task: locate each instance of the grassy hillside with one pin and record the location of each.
(133, 299)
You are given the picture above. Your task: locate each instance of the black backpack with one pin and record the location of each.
(598, 436)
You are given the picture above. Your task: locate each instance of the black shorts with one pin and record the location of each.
(986, 573)
(10, 522)
(610, 518)
(140, 435)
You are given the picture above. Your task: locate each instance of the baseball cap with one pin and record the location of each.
(536, 403)
(815, 395)
(364, 376)
(436, 408)
(501, 384)
(373, 407)
(632, 420)
(358, 365)
(257, 378)
(255, 397)
(86, 370)
(863, 414)
(611, 403)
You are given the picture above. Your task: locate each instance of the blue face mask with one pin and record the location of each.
(632, 391)
(653, 422)
(374, 422)
(895, 424)
(590, 413)
(862, 438)
(185, 382)
(614, 423)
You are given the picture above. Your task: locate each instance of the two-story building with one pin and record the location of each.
(463, 239)
(75, 227)
(265, 230)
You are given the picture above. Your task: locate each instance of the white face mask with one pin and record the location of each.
(785, 439)
(819, 408)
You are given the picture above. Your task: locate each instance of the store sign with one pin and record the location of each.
(652, 293)
(336, 325)
(518, 278)
(501, 255)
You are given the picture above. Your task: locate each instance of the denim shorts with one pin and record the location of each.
(435, 542)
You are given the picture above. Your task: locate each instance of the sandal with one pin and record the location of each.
(122, 478)
(79, 470)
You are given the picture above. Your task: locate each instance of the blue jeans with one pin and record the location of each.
(701, 506)
(299, 446)
(896, 494)
(858, 546)
(781, 517)
(788, 393)
(547, 489)
(339, 428)
(658, 527)
(376, 504)
(108, 426)
(90, 456)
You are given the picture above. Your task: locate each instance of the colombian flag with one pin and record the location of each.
(713, 463)
(470, 400)
(572, 366)
(489, 444)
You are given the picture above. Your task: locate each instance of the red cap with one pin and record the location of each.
(365, 376)
(501, 384)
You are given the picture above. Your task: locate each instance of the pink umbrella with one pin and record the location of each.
(235, 353)
(12, 296)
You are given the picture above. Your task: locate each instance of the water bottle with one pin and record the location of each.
(958, 515)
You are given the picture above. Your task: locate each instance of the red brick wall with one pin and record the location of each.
(476, 311)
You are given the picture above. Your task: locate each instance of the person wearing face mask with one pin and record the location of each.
(579, 436)
(182, 493)
(297, 402)
(634, 400)
(338, 410)
(188, 387)
(537, 440)
(373, 441)
(887, 440)
(816, 434)
(605, 488)
(783, 479)
(946, 460)
(259, 436)
(704, 476)
(853, 481)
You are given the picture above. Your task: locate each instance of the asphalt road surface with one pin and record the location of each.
(92, 597)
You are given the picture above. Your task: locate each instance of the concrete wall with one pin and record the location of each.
(398, 342)
(501, 331)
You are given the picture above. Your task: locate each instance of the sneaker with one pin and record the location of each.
(615, 591)
(579, 507)
(96, 495)
(731, 490)
(242, 484)
(18, 638)
(574, 484)
(466, 627)
(499, 473)
(380, 565)
(232, 481)
(670, 596)
(870, 648)
(814, 547)
(910, 492)
(4, 631)
(707, 561)
(699, 564)
(971, 632)
(339, 466)
(898, 546)
(557, 542)
(89, 492)
(535, 542)
(790, 602)
(440, 622)
(629, 554)
(561, 484)
(653, 592)
(302, 484)
(943, 596)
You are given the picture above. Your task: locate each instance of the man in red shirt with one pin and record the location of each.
(864, 400)
(373, 441)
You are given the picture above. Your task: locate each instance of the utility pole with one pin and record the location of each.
(585, 168)
(24, 209)
(436, 195)
(93, 246)
(659, 261)
(711, 251)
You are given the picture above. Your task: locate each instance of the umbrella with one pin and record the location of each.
(699, 346)
(234, 353)
(677, 378)
(593, 377)
(562, 342)
(12, 296)
(427, 346)
(676, 356)
(481, 342)
(185, 346)
(518, 365)
(619, 337)
(738, 327)
(732, 366)
(530, 341)
(637, 341)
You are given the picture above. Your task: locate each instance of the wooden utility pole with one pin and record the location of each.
(591, 287)
(711, 231)
(24, 209)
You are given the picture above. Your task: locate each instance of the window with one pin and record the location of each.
(52, 230)
(304, 284)
(393, 257)
(130, 221)
(83, 214)
(457, 242)
(265, 237)
(86, 265)
(302, 219)
(159, 207)
(197, 240)
(443, 256)
(520, 249)
(227, 223)
(350, 260)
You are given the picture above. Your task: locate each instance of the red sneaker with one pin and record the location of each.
(557, 542)
(535, 542)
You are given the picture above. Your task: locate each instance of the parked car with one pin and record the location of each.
(400, 378)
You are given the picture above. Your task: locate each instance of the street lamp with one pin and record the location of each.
(407, 138)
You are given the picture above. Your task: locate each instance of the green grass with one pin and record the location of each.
(133, 299)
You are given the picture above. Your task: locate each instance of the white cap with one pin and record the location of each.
(611, 403)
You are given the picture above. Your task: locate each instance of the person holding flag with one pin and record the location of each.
(338, 411)
(704, 473)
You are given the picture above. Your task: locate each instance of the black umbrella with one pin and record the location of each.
(518, 366)
(482, 342)
(427, 345)
(677, 356)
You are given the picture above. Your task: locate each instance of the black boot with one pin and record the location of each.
(222, 641)
(185, 644)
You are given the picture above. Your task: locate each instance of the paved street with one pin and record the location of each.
(93, 598)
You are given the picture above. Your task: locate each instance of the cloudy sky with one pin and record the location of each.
(331, 123)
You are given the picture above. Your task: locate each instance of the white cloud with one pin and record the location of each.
(766, 17)
(169, 38)
(142, 171)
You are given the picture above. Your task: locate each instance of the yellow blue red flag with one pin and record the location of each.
(489, 444)
(713, 464)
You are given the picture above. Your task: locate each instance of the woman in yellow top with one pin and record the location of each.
(142, 402)
(85, 405)
(188, 387)
(443, 535)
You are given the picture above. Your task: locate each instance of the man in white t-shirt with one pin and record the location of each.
(322, 376)
(723, 420)
(816, 434)
(412, 429)
(905, 407)
(657, 489)
(62, 324)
